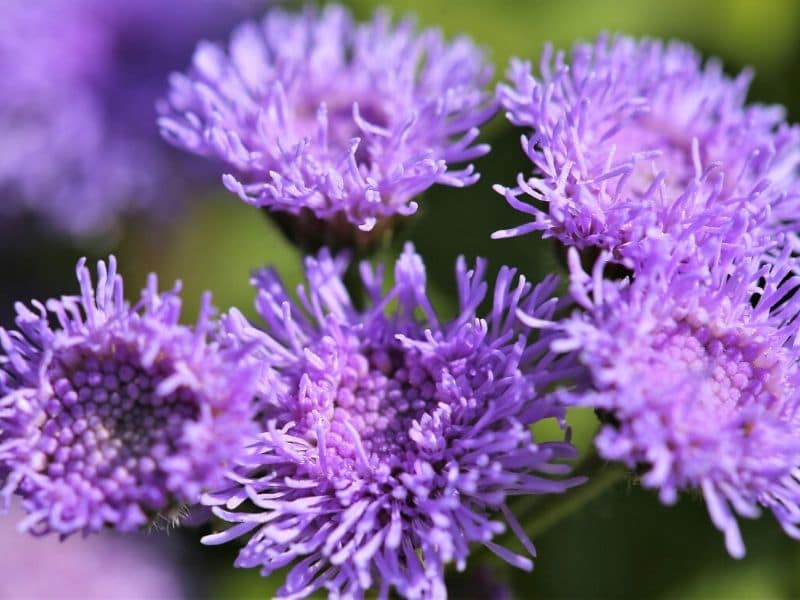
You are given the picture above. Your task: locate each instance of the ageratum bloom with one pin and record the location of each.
(391, 439)
(80, 80)
(628, 138)
(112, 415)
(696, 376)
(330, 120)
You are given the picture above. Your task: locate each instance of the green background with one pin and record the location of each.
(623, 544)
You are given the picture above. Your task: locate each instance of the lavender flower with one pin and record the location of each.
(326, 119)
(634, 137)
(105, 567)
(112, 415)
(696, 374)
(80, 81)
(391, 438)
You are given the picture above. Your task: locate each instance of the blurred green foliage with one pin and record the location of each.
(623, 544)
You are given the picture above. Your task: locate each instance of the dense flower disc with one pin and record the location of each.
(633, 137)
(80, 81)
(697, 379)
(112, 415)
(391, 439)
(330, 120)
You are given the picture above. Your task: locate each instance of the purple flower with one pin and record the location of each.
(391, 439)
(318, 116)
(80, 81)
(633, 137)
(105, 567)
(113, 415)
(696, 375)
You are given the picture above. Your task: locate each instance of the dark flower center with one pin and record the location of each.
(107, 429)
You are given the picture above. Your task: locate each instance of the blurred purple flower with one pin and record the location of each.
(315, 114)
(391, 439)
(80, 81)
(630, 139)
(105, 567)
(115, 416)
(696, 375)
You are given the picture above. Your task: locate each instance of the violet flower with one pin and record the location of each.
(391, 439)
(631, 139)
(333, 124)
(695, 373)
(112, 415)
(80, 81)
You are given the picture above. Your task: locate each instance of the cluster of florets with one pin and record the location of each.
(119, 415)
(355, 437)
(697, 378)
(331, 121)
(652, 159)
(631, 139)
(80, 80)
(391, 440)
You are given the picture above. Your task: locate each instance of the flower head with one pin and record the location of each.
(318, 116)
(391, 439)
(696, 375)
(80, 81)
(633, 137)
(113, 415)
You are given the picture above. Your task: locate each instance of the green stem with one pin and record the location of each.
(538, 517)
(538, 514)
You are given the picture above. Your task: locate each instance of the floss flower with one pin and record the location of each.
(80, 81)
(114, 416)
(634, 137)
(696, 376)
(336, 123)
(391, 439)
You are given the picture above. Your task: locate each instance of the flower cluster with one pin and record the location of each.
(391, 440)
(633, 137)
(698, 377)
(653, 160)
(355, 437)
(340, 124)
(117, 415)
(80, 79)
